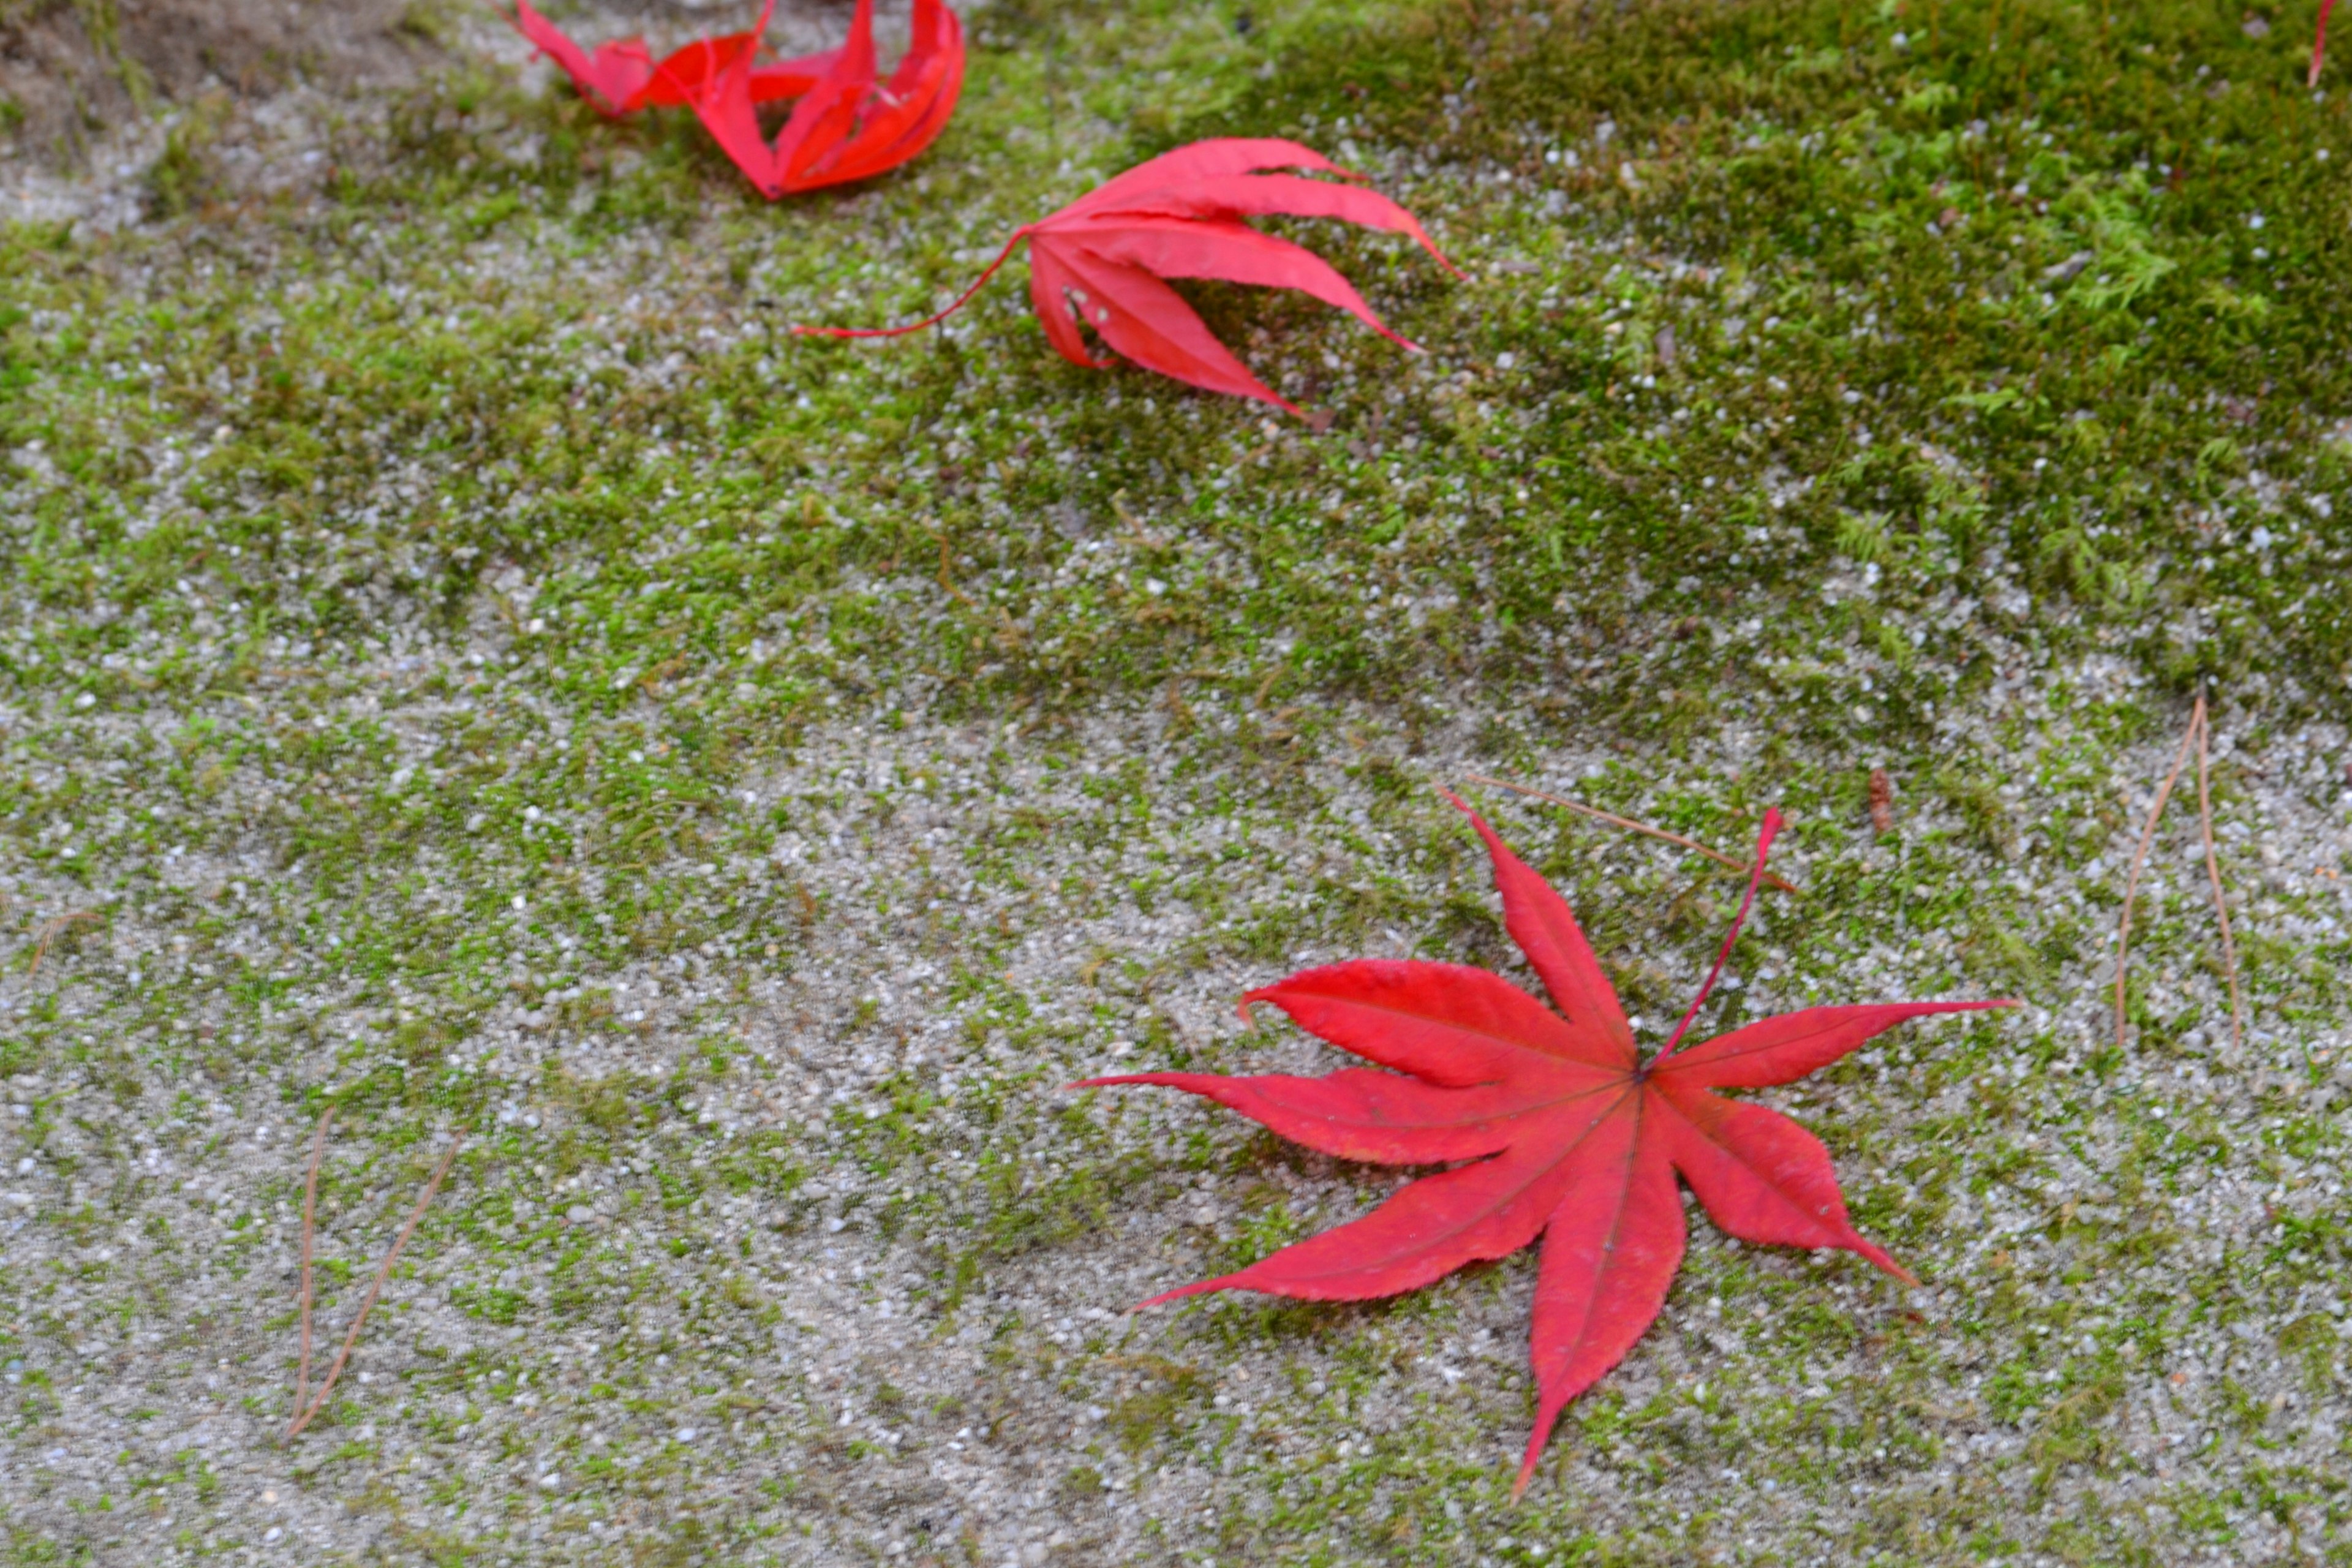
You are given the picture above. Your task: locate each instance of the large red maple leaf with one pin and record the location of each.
(1100, 263)
(1565, 1130)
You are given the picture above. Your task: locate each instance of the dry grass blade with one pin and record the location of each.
(2220, 903)
(310, 1230)
(2139, 860)
(376, 1288)
(1594, 812)
(49, 931)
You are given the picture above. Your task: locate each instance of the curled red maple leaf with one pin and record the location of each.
(1099, 262)
(2319, 42)
(1562, 1129)
(845, 127)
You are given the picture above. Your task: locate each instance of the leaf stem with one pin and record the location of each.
(2213, 873)
(48, 933)
(2139, 860)
(960, 302)
(1755, 879)
(375, 1287)
(310, 1230)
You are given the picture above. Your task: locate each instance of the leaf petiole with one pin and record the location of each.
(961, 300)
(1755, 879)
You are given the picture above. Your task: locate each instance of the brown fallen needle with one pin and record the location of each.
(306, 1408)
(1627, 823)
(2214, 874)
(310, 1230)
(2197, 738)
(48, 931)
(1882, 803)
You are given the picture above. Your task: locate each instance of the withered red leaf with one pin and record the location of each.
(1560, 1127)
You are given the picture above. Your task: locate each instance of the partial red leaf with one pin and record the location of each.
(1217, 158)
(1222, 249)
(1446, 1024)
(1762, 1177)
(610, 78)
(1567, 1133)
(1785, 1048)
(1487, 1209)
(2319, 42)
(784, 78)
(907, 113)
(1225, 177)
(1357, 1113)
(845, 126)
(1610, 1255)
(1145, 321)
(1545, 928)
(687, 69)
(1097, 263)
(822, 121)
(1051, 288)
(620, 76)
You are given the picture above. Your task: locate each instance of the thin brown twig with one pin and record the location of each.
(309, 1229)
(2214, 874)
(1720, 859)
(49, 932)
(2139, 859)
(375, 1287)
(947, 578)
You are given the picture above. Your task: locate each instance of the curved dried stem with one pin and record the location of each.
(310, 1230)
(2221, 902)
(50, 930)
(1693, 845)
(2139, 859)
(376, 1288)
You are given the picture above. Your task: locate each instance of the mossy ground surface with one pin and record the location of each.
(462, 661)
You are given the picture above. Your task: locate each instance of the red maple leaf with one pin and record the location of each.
(1565, 1131)
(1099, 262)
(845, 127)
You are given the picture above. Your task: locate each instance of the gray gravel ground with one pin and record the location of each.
(571, 1359)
